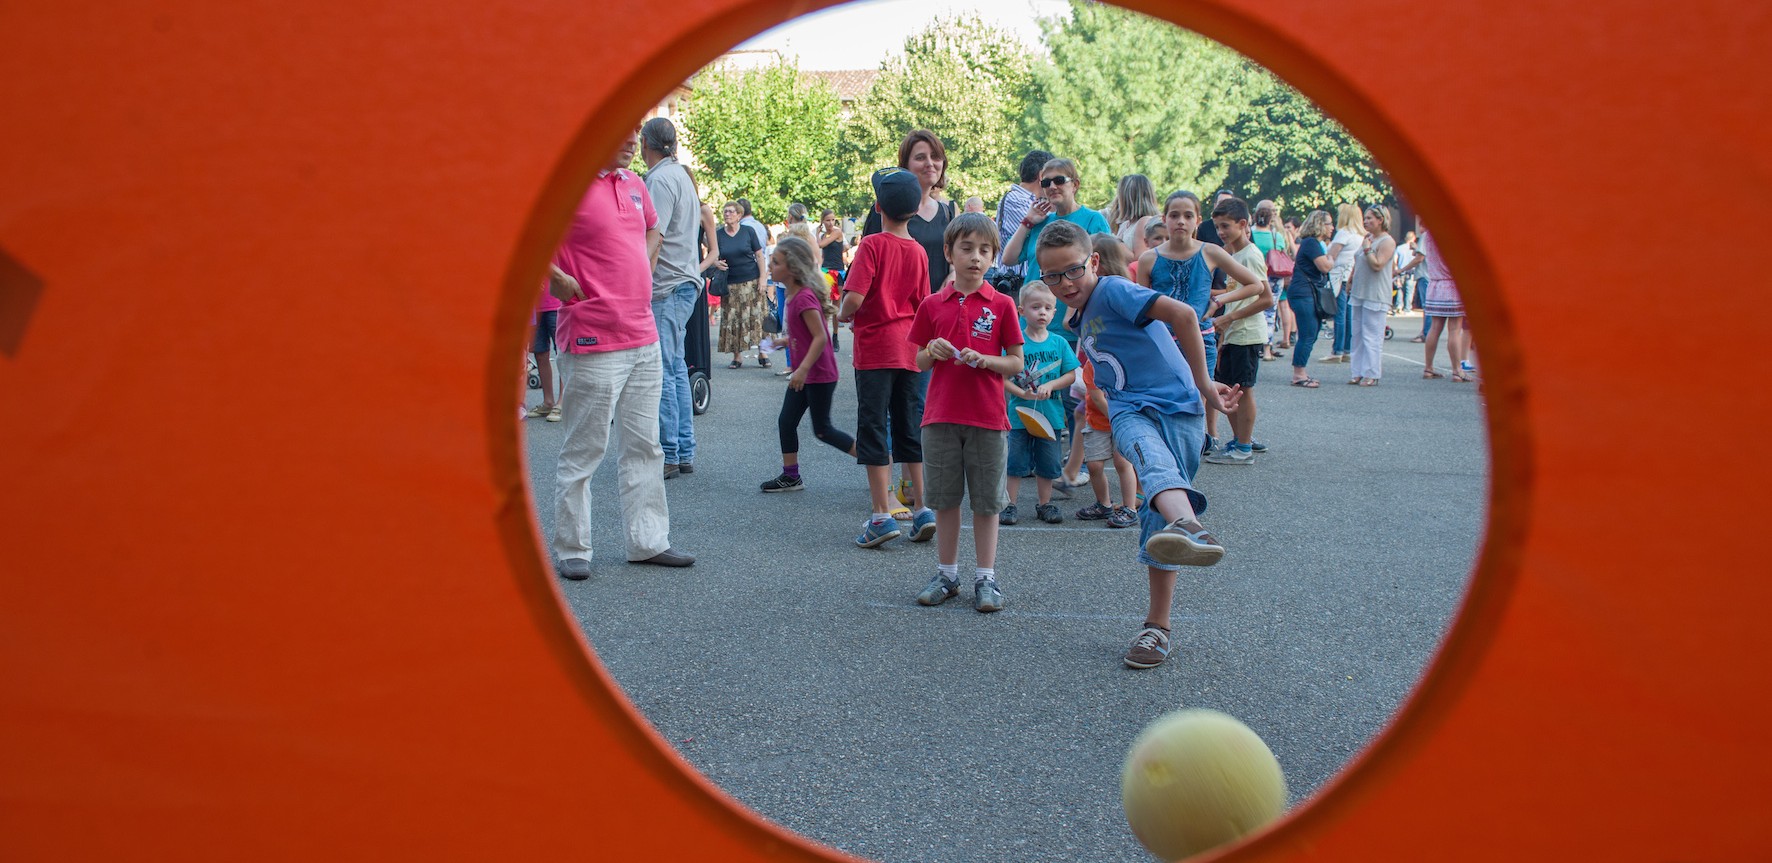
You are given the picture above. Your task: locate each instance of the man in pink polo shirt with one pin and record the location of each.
(614, 374)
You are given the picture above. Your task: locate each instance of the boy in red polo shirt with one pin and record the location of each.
(970, 335)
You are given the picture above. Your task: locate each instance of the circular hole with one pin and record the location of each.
(793, 670)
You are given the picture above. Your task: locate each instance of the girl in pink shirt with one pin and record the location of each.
(814, 380)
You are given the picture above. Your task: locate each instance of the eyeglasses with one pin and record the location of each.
(1072, 274)
(1059, 180)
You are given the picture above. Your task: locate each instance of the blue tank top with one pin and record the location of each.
(1189, 281)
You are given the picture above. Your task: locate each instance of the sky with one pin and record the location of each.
(860, 35)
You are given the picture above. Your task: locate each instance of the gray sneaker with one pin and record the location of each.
(575, 568)
(940, 590)
(1184, 542)
(986, 598)
(1149, 648)
(1048, 513)
(1008, 515)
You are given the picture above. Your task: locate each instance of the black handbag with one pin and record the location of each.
(1327, 305)
(716, 279)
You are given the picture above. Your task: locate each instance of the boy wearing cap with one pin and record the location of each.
(886, 283)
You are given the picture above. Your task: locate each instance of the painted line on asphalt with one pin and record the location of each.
(1404, 359)
(1050, 615)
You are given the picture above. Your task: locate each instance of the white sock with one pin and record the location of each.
(881, 516)
(949, 571)
(984, 573)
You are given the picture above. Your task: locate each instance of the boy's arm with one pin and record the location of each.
(851, 304)
(1057, 385)
(856, 287)
(1186, 326)
(1008, 365)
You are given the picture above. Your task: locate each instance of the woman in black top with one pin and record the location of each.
(922, 154)
(830, 240)
(1310, 271)
(742, 310)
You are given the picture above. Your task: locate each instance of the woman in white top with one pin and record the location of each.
(1369, 293)
(1343, 247)
(1134, 205)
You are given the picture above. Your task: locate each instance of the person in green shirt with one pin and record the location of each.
(1058, 185)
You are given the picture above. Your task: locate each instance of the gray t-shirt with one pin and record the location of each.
(679, 216)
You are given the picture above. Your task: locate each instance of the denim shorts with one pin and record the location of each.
(541, 341)
(1164, 449)
(1032, 456)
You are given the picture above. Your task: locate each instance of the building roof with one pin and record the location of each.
(848, 84)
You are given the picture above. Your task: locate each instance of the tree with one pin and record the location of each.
(764, 134)
(963, 80)
(1127, 93)
(1285, 148)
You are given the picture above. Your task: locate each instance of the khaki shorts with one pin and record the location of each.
(961, 459)
(1098, 445)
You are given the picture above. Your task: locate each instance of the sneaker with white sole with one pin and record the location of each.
(986, 598)
(939, 590)
(1184, 542)
(555, 415)
(877, 533)
(1232, 454)
(782, 483)
(1149, 648)
(923, 525)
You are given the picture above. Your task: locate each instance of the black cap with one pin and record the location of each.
(897, 192)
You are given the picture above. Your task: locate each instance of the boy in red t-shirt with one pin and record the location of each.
(971, 337)
(1098, 447)
(887, 281)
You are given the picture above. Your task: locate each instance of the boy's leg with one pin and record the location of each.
(872, 396)
(1162, 597)
(1046, 455)
(1128, 480)
(1098, 483)
(947, 536)
(986, 458)
(1243, 418)
(1165, 452)
(947, 489)
(906, 420)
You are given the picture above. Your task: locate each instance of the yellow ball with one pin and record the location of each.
(1196, 779)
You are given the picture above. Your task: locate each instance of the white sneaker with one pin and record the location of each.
(1231, 454)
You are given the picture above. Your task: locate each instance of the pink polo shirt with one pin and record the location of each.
(984, 321)
(605, 250)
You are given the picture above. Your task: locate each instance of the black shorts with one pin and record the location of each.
(542, 340)
(1237, 365)
(888, 407)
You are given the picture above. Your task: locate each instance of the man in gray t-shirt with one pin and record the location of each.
(676, 285)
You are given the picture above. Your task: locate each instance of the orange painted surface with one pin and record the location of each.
(271, 585)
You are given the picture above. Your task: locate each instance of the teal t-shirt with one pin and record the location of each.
(1051, 357)
(1083, 217)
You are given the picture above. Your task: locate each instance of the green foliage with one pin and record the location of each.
(763, 134)
(963, 80)
(1285, 149)
(1126, 93)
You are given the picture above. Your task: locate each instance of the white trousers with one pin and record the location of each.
(1367, 324)
(623, 388)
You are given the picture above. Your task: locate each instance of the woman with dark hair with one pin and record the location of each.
(922, 154)
(744, 308)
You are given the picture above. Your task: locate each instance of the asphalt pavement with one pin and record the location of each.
(796, 671)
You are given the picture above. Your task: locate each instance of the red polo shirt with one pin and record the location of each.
(984, 321)
(605, 250)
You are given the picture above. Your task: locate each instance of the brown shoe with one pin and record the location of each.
(1149, 648)
(668, 557)
(671, 471)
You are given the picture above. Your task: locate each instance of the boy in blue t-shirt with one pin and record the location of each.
(1051, 367)
(1150, 362)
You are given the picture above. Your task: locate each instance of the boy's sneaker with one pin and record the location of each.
(1008, 515)
(1232, 454)
(781, 483)
(923, 526)
(986, 598)
(1184, 542)
(938, 591)
(1210, 445)
(1149, 648)
(877, 533)
(1257, 446)
(1122, 517)
(1048, 513)
(1094, 512)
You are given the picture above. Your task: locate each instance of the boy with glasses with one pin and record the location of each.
(1150, 362)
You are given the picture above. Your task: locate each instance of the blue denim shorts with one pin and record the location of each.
(1164, 449)
(1032, 456)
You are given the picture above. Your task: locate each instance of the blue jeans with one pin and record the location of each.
(1304, 311)
(781, 321)
(1344, 325)
(676, 412)
(1164, 449)
(1420, 294)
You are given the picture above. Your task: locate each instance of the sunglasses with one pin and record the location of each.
(1072, 274)
(1059, 180)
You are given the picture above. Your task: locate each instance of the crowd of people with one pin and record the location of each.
(1051, 342)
